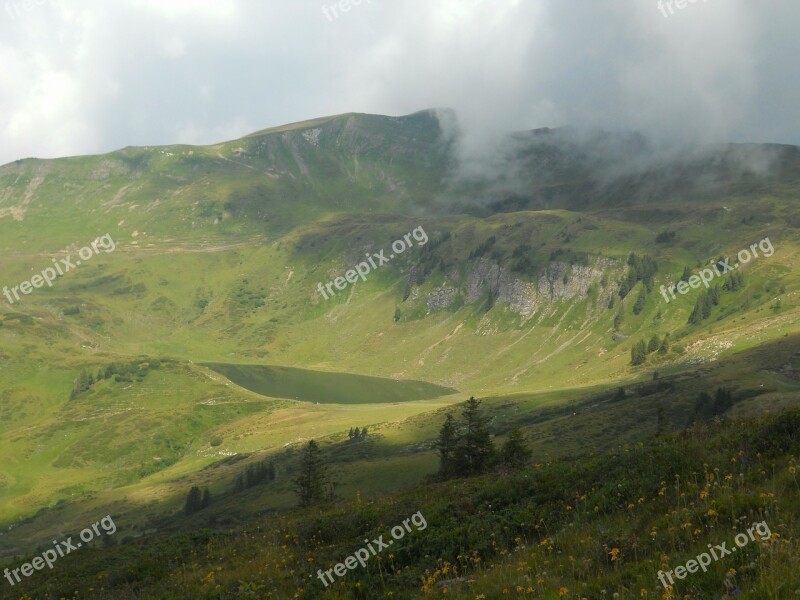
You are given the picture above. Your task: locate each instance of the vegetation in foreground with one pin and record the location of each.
(593, 527)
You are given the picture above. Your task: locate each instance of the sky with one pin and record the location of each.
(87, 77)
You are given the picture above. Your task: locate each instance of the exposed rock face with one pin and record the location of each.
(559, 281)
(442, 297)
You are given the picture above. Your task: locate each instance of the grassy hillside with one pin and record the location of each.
(199, 344)
(602, 525)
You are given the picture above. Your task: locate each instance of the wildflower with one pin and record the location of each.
(563, 591)
(614, 553)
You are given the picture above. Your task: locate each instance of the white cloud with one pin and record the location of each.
(84, 76)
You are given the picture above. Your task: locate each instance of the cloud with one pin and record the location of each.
(85, 77)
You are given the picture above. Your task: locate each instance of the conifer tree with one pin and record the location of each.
(475, 451)
(194, 501)
(312, 484)
(446, 446)
(638, 353)
(515, 452)
(638, 307)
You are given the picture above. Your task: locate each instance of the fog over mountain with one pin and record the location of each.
(85, 77)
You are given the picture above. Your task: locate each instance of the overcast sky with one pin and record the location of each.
(90, 76)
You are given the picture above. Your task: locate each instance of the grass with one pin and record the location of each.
(601, 525)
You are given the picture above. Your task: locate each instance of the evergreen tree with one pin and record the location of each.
(356, 433)
(702, 407)
(446, 446)
(194, 501)
(638, 307)
(697, 313)
(206, 500)
(238, 485)
(687, 273)
(723, 400)
(714, 294)
(653, 344)
(706, 305)
(515, 453)
(364, 433)
(350, 434)
(638, 353)
(664, 347)
(619, 319)
(475, 451)
(312, 484)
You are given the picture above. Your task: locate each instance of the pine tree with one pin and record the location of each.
(446, 446)
(356, 433)
(687, 273)
(638, 353)
(364, 433)
(723, 400)
(194, 501)
(697, 313)
(312, 484)
(206, 500)
(653, 344)
(702, 407)
(618, 319)
(638, 307)
(238, 485)
(706, 305)
(714, 294)
(350, 434)
(475, 451)
(664, 347)
(515, 452)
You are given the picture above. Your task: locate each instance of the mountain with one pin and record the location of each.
(194, 338)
